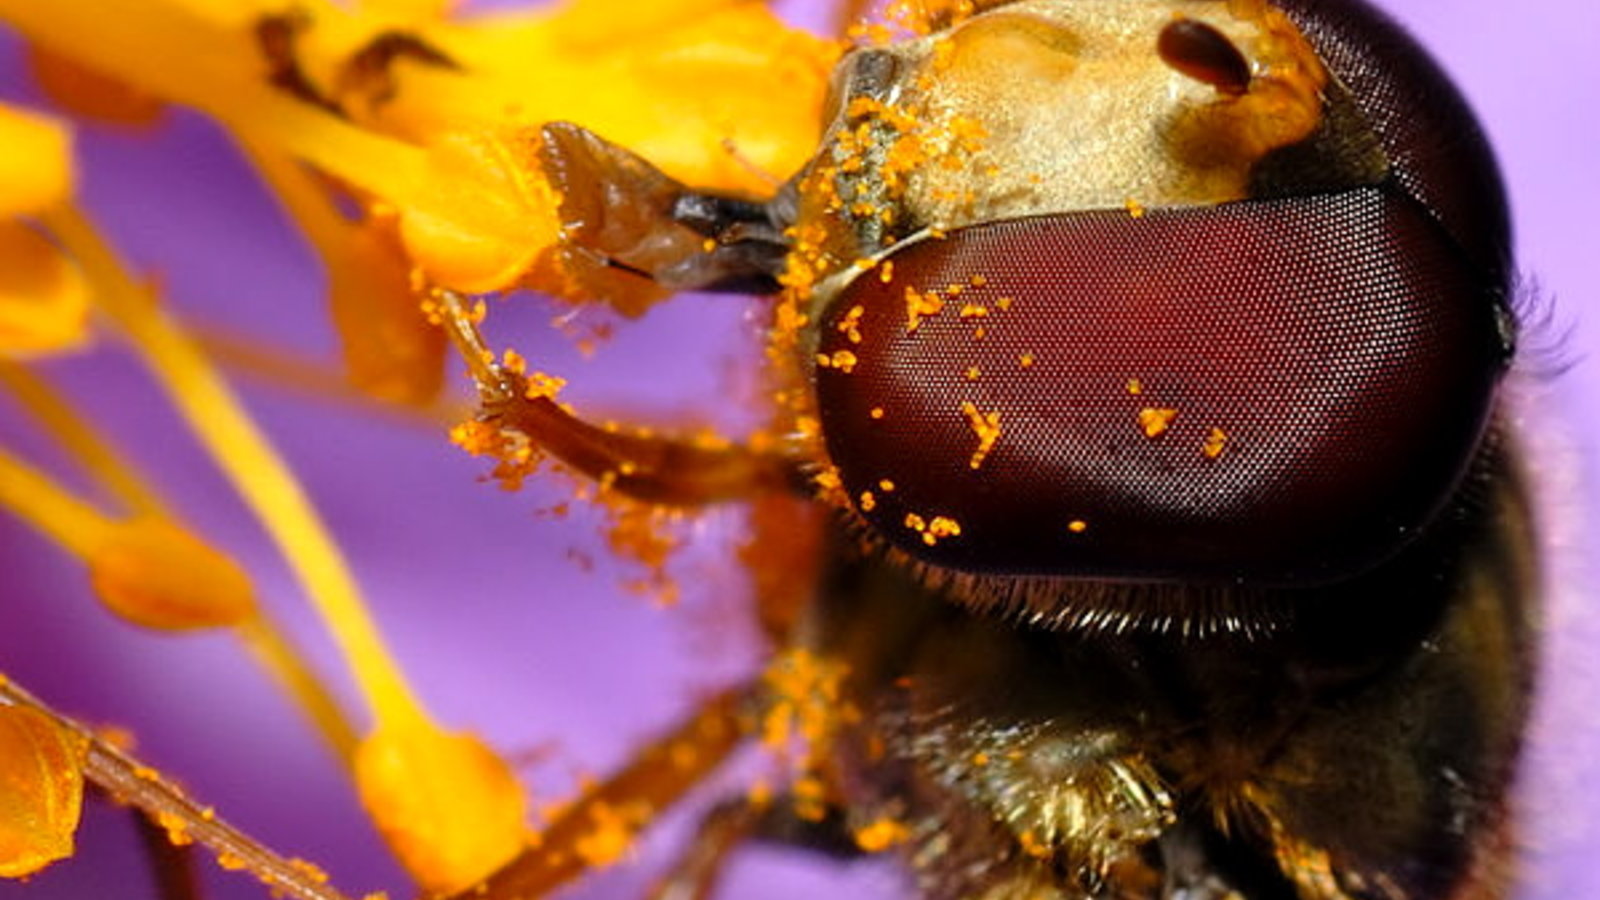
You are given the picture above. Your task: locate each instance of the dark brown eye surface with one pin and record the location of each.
(1278, 391)
(1437, 151)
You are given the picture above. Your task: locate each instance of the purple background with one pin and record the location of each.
(504, 633)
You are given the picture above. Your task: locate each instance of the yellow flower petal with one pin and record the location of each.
(486, 216)
(687, 84)
(35, 162)
(41, 790)
(409, 10)
(450, 809)
(154, 573)
(44, 299)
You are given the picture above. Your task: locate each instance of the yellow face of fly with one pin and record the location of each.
(1045, 106)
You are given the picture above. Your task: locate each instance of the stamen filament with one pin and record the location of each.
(266, 641)
(82, 529)
(80, 439)
(218, 419)
(239, 354)
(61, 515)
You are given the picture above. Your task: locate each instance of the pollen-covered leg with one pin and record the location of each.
(633, 235)
(694, 875)
(598, 828)
(771, 820)
(638, 463)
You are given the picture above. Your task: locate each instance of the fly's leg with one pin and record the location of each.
(631, 236)
(695, 874)
(598, 827)
(639, 464)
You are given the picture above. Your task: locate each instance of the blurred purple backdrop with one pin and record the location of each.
(505, 634)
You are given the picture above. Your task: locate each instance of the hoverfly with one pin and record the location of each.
(939, 756)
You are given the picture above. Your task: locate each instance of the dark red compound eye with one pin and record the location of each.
(1277, 391)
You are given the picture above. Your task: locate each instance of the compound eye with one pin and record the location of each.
(1280, 392)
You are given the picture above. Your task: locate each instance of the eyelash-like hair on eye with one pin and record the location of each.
(1546, 337)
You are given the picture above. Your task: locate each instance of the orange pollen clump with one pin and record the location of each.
(1154, 421)
(759, 795)
(850, 325)
(810, 799)
(881, 835)
(609, 839)
(987, 428)
(1134, 207)
(844, 361)
(828, 479)
(868, 502)
(1135, 386)
(886, 274)
(973, 311)
(886, 485)
(1004, 303)
(541, 386)
(876, 413)
(973, 373)
(1077, 526)
(1032, 846)
(515, 457)
(968, 132)
(1215, 441)
(806, 701)
(514, 362)
(933, 531)
(919, 306)
(1025, 360)
(941, 527)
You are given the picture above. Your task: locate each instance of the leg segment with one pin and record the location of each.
(733, 822)
(646, 467)
(597, 828)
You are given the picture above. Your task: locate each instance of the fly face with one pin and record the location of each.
(1212, 422)
(1151, 354)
